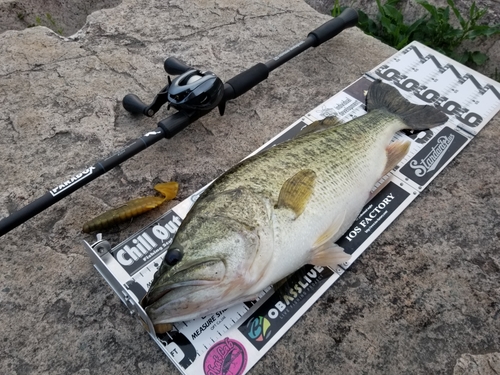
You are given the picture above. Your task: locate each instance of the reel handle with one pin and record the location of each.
(134, 105)
(175, 66)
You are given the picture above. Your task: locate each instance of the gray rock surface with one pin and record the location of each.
(487, 364)
(65, 17)
(425, 293)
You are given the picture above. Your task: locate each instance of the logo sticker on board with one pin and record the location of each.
(434, 156)
(273, 314)
(227, 356)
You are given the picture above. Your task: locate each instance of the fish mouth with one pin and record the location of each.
(195, 276)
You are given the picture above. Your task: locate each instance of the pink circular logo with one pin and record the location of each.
(226, 357)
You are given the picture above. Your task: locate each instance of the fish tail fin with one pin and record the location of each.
(417, 117)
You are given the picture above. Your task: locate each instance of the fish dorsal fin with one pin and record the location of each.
(396, 151)
(296, 191)
(317, 126)
(167, 189)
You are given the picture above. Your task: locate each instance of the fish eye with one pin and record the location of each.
(173, 256)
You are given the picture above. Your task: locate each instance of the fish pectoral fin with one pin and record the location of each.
(396, 151)
(331, 231)
(328, 254)
(320, 125)
(296, 191)
(325, 252)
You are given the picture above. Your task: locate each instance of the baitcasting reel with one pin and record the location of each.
(192, 90)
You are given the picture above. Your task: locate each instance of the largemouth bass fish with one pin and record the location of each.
(281, 209)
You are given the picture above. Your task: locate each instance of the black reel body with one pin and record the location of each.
(195, 90)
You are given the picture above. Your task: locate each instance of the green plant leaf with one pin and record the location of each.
(444, 16)
(479, 58)
(388, 25)
(366, 24)
(483, 30)
(460, 57)
(337, 9)
(393, 13)
(429, 7)
(403, 42)
(475, 14)
(457, 13)
(418, 25)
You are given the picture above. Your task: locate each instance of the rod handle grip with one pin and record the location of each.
(348, 18)
(244, 81)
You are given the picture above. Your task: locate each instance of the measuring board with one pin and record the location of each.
(234, 339)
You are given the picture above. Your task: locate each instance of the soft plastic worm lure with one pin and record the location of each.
(132, 208)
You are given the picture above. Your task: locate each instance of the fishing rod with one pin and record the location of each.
(194, 94)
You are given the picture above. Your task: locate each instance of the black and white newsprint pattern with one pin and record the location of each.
(243, 333)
